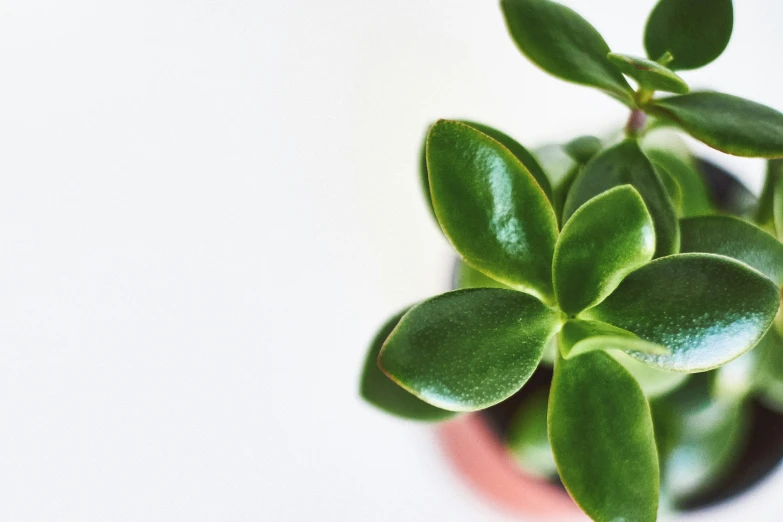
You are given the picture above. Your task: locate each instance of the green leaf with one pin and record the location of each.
(469, 349)
(706, 309)
(735, 238)
(737, 379)
(521, 153)
(380, 391)
(728, 123)
(527, 438)
(695, 32)
(698, 438)
(601, 432)
(778, 210)
(583, 148)
(654, 382)
(695, 199)
(596, 250)
(491, 208)
(578, 337)
(468, 277)
(765, 211)
(649, 74)
(626, 164)
(564, 44)
(673, 188)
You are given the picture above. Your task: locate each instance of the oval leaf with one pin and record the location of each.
(728, 123)
(601, 432)
(622, 164)
(596, 250)
(695, 199)
(491, 208)
(380, 391)
(469, 349)
(583, 148)
(649, 74)
(695, 32)
(732, 237)
(706, 309)
(564, 44)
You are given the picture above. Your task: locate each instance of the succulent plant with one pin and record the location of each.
(617, 267)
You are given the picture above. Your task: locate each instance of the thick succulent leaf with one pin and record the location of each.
(564, 44)
(380, 391)
(778, 210)
(465, 276)
(735, 238)
(491, 208)
(578, 337)
(596, 250)
(727, 123)
(622, 164)
(672, 188)
(583, 148)
(695, 32)
(469, 349)
(527, 438)
(706, 309)
(654, 382)
(695, 199)
(765, 211)
(521, 153)
(601, 432)
(698, 437)
(649, 74)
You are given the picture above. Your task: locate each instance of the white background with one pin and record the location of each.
(207, 207)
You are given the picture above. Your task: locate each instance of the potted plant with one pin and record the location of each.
(616, 307)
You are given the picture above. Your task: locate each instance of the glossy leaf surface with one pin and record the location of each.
(695, 199)
(382, 392)
(491, 208)
(706, 309)
(564, 44)
(601, 432)
(596, 250)
(735, 238)
(468, 277)
(698, 438)
(469, 349)
(695, 32)
(578, 337)
(649, 74)
(622, 164)
(527, 438)
(727, 123)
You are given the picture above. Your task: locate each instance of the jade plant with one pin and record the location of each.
(613, 264)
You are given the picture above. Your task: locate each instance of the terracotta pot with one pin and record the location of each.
(479, 457)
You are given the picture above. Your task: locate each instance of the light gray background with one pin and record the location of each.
(207, 207)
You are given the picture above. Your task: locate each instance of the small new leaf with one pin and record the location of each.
(380, 391)
(596, 250)
(601, 432)
(491, 208)
(578, 337)
(649, 74)
(695, 32)
(565, 45)
(707, 309)
(728, 123)
(469, 349)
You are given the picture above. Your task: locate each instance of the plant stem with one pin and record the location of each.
(636, 124)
